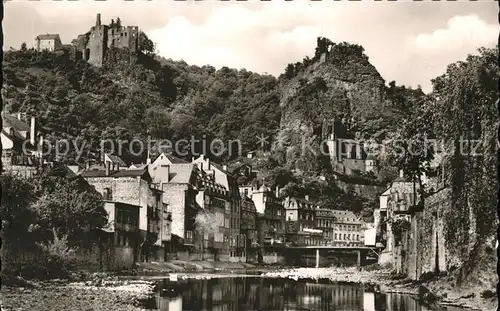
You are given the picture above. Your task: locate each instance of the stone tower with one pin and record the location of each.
(97, 43)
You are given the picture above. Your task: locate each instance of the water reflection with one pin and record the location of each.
(250, 293)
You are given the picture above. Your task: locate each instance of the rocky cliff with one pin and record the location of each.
(339, 85)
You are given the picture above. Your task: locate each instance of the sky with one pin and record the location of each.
(409, 42)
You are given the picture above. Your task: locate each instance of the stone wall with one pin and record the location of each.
(433, 253)
(91, 258)
(175, 196)
(424, 248)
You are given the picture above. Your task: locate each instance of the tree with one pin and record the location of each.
(72, 207)
(206, 225)
(145, 44)
(118, 22)
(411, 150)
(17, 198)
(23, 47)
(17, 216)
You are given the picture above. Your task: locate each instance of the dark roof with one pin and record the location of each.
(119, 173)
(12, 121)
(173, 159)
(48, 37)
(176, 160)
(116, 159)
(122, 204)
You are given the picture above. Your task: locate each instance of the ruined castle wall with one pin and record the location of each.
(123, 37)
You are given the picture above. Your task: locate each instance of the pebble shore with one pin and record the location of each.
(83, 296)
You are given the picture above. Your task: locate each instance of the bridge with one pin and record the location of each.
(361, 251)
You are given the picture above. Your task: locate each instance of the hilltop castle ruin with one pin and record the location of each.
(94, 45)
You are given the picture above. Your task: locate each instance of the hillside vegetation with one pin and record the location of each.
(163, 99)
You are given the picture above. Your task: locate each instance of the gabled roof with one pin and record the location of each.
(48, 37)
(171, 158)
(115, 159)
(386, 192)
(181, 173)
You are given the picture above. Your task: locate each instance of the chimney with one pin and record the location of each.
(208, 163)
(167, 179)
(401, 175)
(224, 167)
(98, 20)
(277, 190)
(307, 197)
(32, 131)
(40, 148)
(107, 168)
(201, 166)
(19, 116)
(148, 161)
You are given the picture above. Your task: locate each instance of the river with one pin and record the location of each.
(257, 293)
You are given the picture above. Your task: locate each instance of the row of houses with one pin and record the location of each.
(171, 208)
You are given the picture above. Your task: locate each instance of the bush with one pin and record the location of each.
(58, 258)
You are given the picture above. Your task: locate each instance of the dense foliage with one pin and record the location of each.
(47, 215)
(160, 98)
(466, 116)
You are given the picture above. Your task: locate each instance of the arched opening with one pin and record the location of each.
(87, 54)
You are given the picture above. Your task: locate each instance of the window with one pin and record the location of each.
(107, 194)
(335, 236)
(357, 237)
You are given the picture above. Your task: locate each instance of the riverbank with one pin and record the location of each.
(126, 290)
(101, 293)
(436, 291)
(179, 266)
